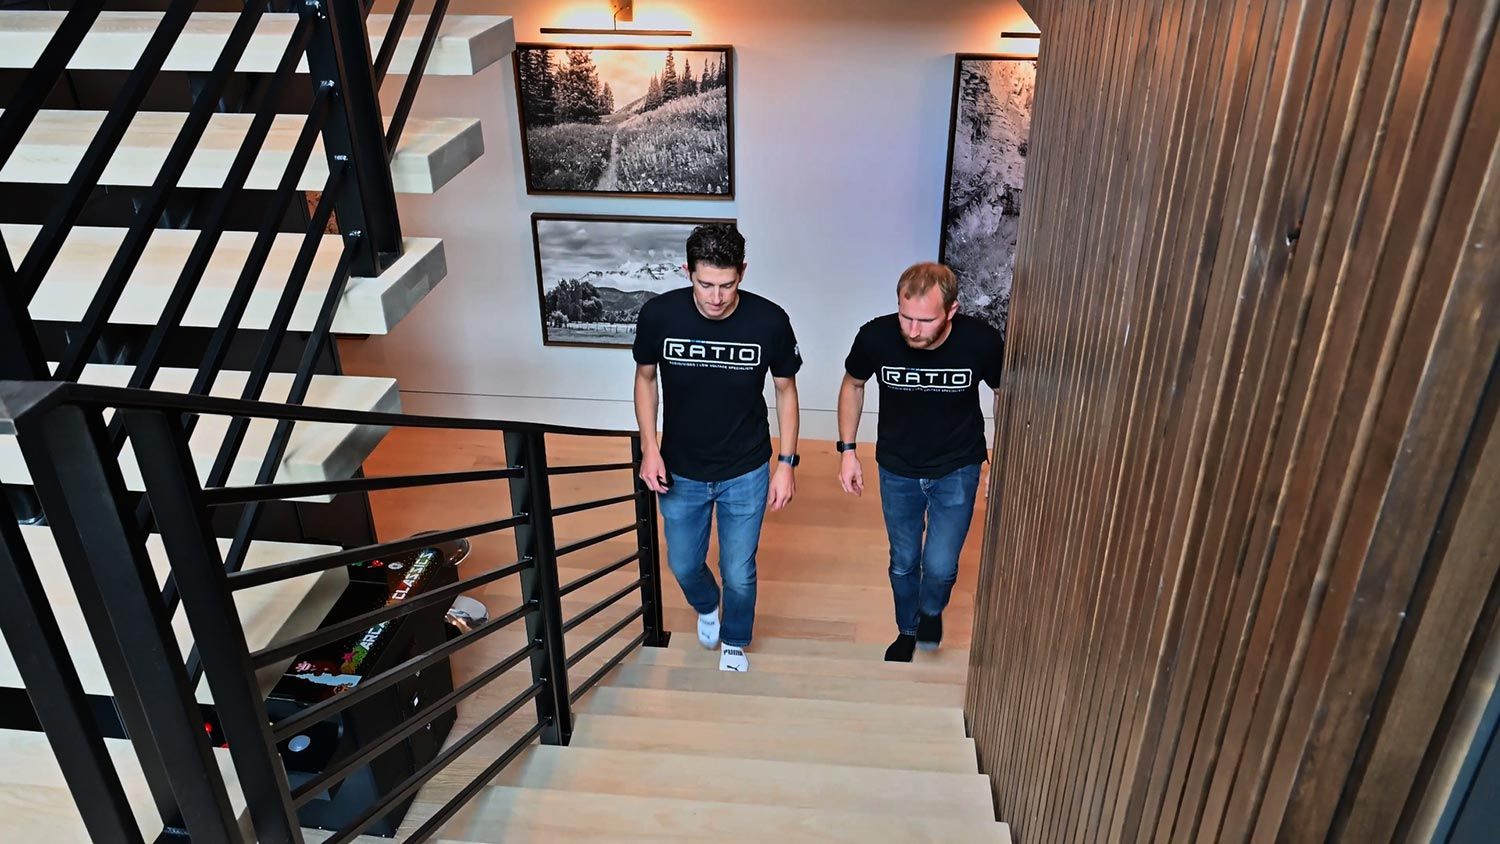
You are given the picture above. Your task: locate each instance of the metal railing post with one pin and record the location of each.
(161, 447)
(68, 453)
(650, 561)
(339, 56)
(531, 495)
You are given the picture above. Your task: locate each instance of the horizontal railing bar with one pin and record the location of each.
(602, 605)
(288, 727)
(131, 399)
(274, 492)
(323, 562)
(442, 760)
(610, 569)
(607, 667)
(445, 814)
(599, 640)
(364, 621)
(595, 540)
(592, 505)
(323, 781)
(555, 471)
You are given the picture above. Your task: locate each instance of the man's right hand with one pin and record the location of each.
(851, 474)
(654, 472)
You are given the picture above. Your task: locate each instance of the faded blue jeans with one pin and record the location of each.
(686, 511)
(923, 572)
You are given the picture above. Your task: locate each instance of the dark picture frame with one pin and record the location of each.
(981, 217)
(563, 156)
(621, 257)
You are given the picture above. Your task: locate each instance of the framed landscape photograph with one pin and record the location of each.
(595, 272)
(987, 145)
(627, 121)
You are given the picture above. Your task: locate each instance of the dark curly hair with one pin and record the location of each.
(716, 244)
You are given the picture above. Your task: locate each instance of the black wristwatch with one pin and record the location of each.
(843, 446)
(789, 459)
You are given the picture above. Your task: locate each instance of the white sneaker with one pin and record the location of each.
(733, 659)
(708, 630)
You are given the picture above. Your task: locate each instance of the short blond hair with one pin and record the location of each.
(920, 278)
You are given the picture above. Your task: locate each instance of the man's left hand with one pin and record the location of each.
(783, 487)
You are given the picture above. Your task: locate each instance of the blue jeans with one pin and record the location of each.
(923, 573)
(686, 510)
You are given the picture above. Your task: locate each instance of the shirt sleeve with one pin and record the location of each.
(994, 363)
(859, 363)
(647, 347)
(786, 356)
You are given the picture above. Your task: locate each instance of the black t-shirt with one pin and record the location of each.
(712, 374)
(930, 421)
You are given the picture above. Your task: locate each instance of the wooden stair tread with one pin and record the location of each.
(465, 45)
(814, 666)
(875, 719)
(316, 451)
(543, 816)
(35, 804)
(368, 306)
(796, 784)
(431, 151)
(829, 648)
(854, 690)
(775, 742)
(270, 614)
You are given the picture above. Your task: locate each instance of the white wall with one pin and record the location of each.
(841, 125)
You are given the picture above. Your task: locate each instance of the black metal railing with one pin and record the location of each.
(63, 436)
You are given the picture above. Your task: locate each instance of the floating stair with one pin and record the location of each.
(432, 151)
(466, 44)
(270, 614)
(369, 305)
(316, 451)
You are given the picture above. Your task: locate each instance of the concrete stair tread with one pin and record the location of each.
(854, 690)
(815, 666)
(872, 791)
(871, 651)
(316, 451)
(432, 151)
(873, 719)
(368, 306)
(273, 613)
(35, 804)
(544, 816)
(775, 742)
(465, 45)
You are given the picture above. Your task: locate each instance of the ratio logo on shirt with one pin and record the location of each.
(918, 378)
(712, 353)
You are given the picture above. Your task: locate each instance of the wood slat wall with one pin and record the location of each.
(1240, 579)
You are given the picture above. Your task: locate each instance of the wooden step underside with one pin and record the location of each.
(432, 151)
(466, 44)
(368, 306)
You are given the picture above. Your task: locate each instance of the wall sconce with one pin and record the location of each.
(620, 10)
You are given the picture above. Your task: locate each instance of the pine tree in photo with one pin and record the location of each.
(653, 95)
(707, 82)
(723, 78)
(538, 87)
(669, 80)
(578, 89)
(608, 99)
(689, 82)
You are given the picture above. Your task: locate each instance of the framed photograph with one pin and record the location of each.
(627, 121)
(987, 144)
(594, 273)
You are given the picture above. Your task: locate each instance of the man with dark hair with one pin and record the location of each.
(930, 441)
(712, 345)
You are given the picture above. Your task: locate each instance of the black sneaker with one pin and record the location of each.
(901, 649)
(929, 631)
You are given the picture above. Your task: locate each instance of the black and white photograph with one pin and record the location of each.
(987, 145)
(595, 272)
(626, 121)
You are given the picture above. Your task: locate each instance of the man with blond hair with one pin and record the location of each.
(929, 442)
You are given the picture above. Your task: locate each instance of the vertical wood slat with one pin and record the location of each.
(1240, 571)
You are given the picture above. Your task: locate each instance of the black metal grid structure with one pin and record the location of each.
(62, 432)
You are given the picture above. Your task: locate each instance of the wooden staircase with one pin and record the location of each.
(818, 742)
